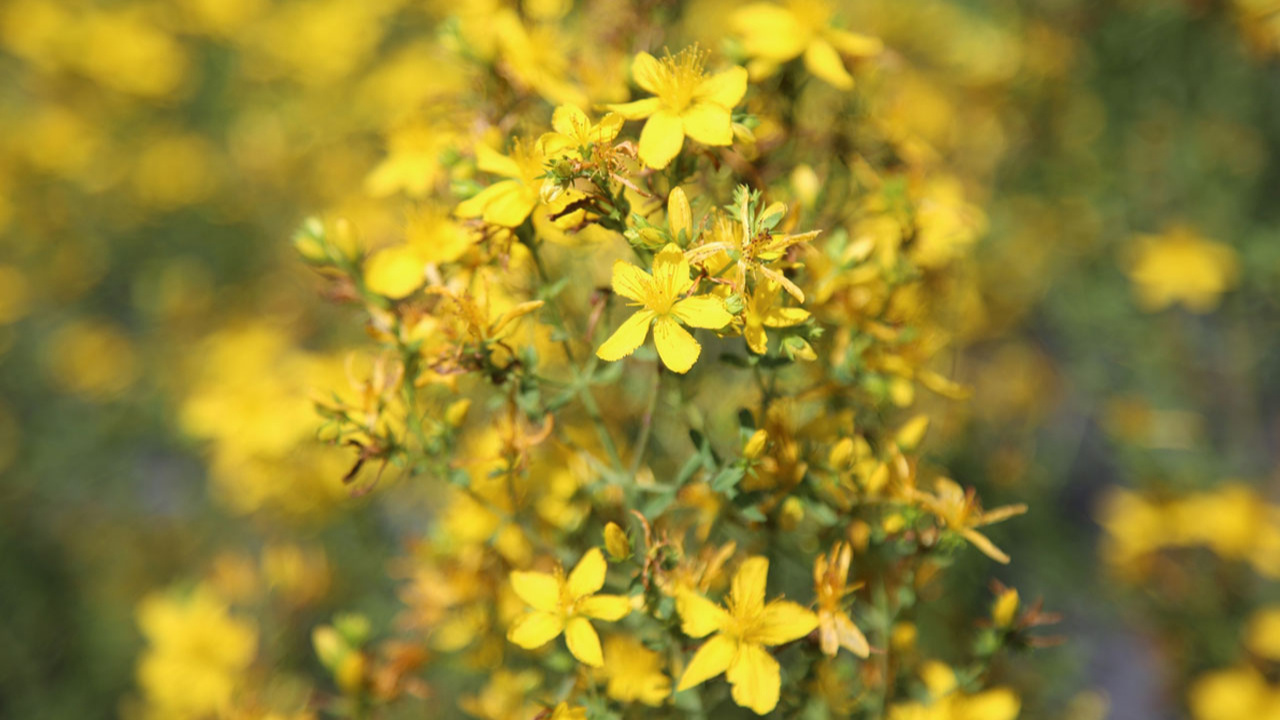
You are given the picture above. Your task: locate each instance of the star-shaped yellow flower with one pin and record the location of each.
(564, 605)
(831, 584)
(687, 102)
(743, 629)
(661, 302)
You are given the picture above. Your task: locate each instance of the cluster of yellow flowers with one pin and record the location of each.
(502, 319)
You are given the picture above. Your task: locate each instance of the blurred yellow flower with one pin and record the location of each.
(507, 202)
(195, 657)
(1181, 267)
(774, 34)
(634, 672)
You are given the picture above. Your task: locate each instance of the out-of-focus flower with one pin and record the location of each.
(773, 34)
(1180, 267)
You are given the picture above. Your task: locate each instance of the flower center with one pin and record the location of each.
(681, 76)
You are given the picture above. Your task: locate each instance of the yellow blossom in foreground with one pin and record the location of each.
(634, 672)
(743, 629)
(688, 102)
(564, 605)
(1180, 267)
(830, 579)
(661, 302)
(507, 202)
(775, 34)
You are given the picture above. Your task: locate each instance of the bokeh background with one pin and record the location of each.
(159, 337)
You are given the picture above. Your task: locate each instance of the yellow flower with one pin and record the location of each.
(197, 654)
(564, 605)
(1240, 692)
(1179, 266)
(507, 202)
(634, 672)
(830, 579)
(565, 711)
(743, 629)
(775, 34)
(960, 511)
(659, 297)
(762, 311)
(687, 102)
(573, 129)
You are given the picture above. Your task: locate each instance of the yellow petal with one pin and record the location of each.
(492, 161)
(987, 547)
(708, 123)
(661, 139)
(824, 62)
(535, 629)
(699, 617)
(702, 311)
(679, 214)
(713, 658)
(671, 272)
(588, 577)
(677, 348)
(783, 622)
(611, 608)
(756, 338)
(748, 586)
(629, 336)
(854, 44)
(785, 317)
(583, 641)
(637, 109)
(394, 272)
(475, 205)
(608, 128)
(850, 637)
(769, 31)
(571, 121)
(724, 88)
(510, 209)
(647, 72)
(630, 281)
(540, 590)
(756, 679)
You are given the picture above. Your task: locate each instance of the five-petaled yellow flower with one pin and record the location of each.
(687, 102)
(564, 605)
(660, 297)
(743, 629)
